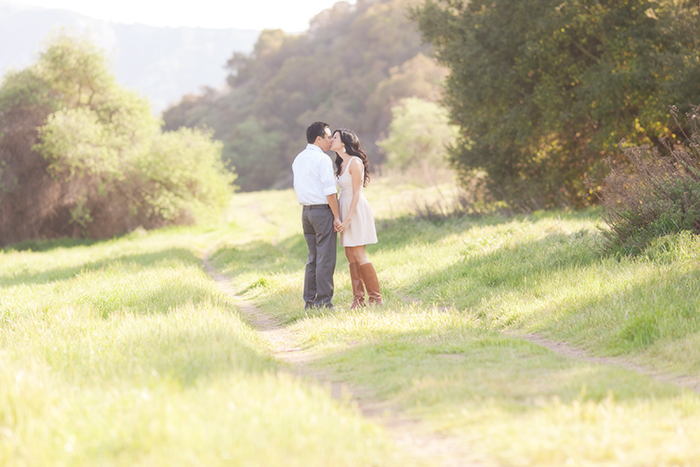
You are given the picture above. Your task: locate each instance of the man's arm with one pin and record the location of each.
(333, 203)
(330, 190)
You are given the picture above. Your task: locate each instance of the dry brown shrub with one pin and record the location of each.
(656, 193)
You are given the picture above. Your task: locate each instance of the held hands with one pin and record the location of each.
(342, 226)
(336, 225)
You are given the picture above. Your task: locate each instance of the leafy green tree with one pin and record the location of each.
(249, 144)
(419, 136)
(182, 178)
(544, 91)
(83, 156)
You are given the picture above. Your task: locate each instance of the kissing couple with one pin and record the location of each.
(325, 214)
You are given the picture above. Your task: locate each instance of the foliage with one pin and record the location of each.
(82, 156)
(419, 135)
(353, 64)
(544, 91)
(195, 186)
(655, 195)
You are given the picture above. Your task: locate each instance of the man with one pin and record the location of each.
(314, 184)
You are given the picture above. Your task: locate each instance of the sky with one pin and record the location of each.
(289, 15)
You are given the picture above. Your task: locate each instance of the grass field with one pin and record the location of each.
(123, 352)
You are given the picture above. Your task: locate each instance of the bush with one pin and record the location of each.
(418, 140)
(655, 194)
(82, 157)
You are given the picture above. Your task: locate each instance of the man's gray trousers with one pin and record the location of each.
(321, 238)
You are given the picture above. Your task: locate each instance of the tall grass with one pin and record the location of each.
(125, 353)
(458, 289)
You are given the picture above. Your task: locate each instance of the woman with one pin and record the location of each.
(357, 227)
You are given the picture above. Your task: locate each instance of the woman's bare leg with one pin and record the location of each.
(356, 254)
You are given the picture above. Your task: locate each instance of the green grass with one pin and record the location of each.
(124, 352)
(458, 290)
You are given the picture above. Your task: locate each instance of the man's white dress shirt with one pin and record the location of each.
(313, 176)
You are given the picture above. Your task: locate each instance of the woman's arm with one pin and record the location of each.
(355, 169)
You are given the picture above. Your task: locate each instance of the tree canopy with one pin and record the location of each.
(353, 64)
(543, 92)
(82, 156)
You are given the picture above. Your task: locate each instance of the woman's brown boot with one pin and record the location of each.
(369, 276)
(358, 289)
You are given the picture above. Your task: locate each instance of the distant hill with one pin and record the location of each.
(353, 65)
(162, 63)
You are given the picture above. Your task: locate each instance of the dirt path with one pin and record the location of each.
(562, 348)
(568, 350)
(412, 436)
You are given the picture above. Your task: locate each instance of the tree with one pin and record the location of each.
(82, 156)
(419, 137)
(544, 91)
(352, 65)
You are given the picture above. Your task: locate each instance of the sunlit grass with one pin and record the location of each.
(125, 353)
(438, 349)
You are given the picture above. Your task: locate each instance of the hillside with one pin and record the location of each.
(162, 63)
(349, 69)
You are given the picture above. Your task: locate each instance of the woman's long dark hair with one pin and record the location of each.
(353, 147)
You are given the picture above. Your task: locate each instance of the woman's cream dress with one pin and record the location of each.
(361, 230)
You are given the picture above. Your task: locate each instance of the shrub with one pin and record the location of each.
(656, 194)
(419, 135)
(81, 156)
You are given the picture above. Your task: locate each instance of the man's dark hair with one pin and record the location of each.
(316, 129)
